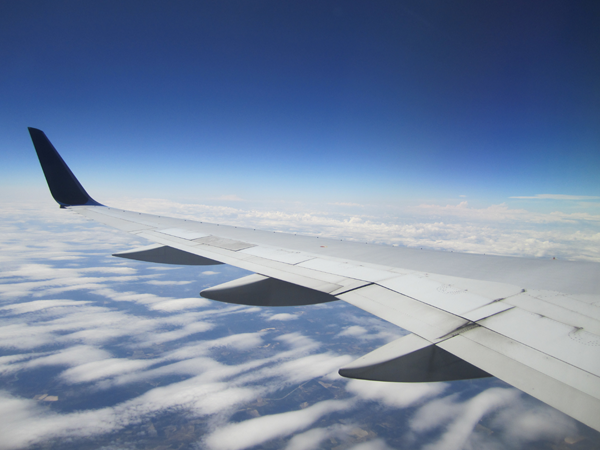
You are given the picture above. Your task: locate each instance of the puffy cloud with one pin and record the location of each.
(559, 197)
(397, 395)
(460, 418)
(253, 432)
(283, 317)
(354, 330)
(311, 366)
(526, 422)
(38, 305)
(312, 439)
(168, 282)
(74, 309)
(24, 422)
(496, 229)
(180, 303)
(105, 368)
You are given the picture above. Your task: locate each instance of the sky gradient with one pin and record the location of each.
(305, 101)
(461, 126)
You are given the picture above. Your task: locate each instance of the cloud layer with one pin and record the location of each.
(496, 229)
(136, 357)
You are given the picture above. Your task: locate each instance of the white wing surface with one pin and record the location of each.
(532, 323)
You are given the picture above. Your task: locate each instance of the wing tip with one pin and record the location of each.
(63, 185)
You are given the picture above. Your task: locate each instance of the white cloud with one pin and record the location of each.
(241, 341)
(523, 423)
(104, 368)
(168, 282)
(354, 330)
(312, 439)
(283, 317)
(198, 396)
(24, 422)
(180, 303)
(159, 337)
(459, 419)
(311, 366)
(262, 429)
(38, 305)
(71, 356)
(297, 340)
(397, 395)
(90, 315)
(559, 197)
(43, 279)
(496, 229)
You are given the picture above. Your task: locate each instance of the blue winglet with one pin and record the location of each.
(65, 188)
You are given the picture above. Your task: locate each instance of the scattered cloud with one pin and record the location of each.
(495, 229)
(354, 330)
(527, 422)
(397, 395)
(75, 313)
(283, 316)
(558, 197)
(181, 303)
(104, 368)
(168, 282)
(253, 432)
(459, 419)
(312, 439)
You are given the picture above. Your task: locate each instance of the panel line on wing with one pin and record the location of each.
(184, 234)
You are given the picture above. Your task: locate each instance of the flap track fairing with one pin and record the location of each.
(258, 290)
(164, 254)
(411, 359)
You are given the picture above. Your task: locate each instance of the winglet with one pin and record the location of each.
(65, 188)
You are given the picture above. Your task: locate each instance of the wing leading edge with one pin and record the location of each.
(535, 324)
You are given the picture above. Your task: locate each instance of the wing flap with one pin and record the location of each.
(430, 323)
(574, 346)
(451, 296)
(565, 387)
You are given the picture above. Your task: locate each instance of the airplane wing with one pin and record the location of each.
(533, 323)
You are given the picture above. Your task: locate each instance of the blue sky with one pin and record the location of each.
(308, 101)
(465, 126)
